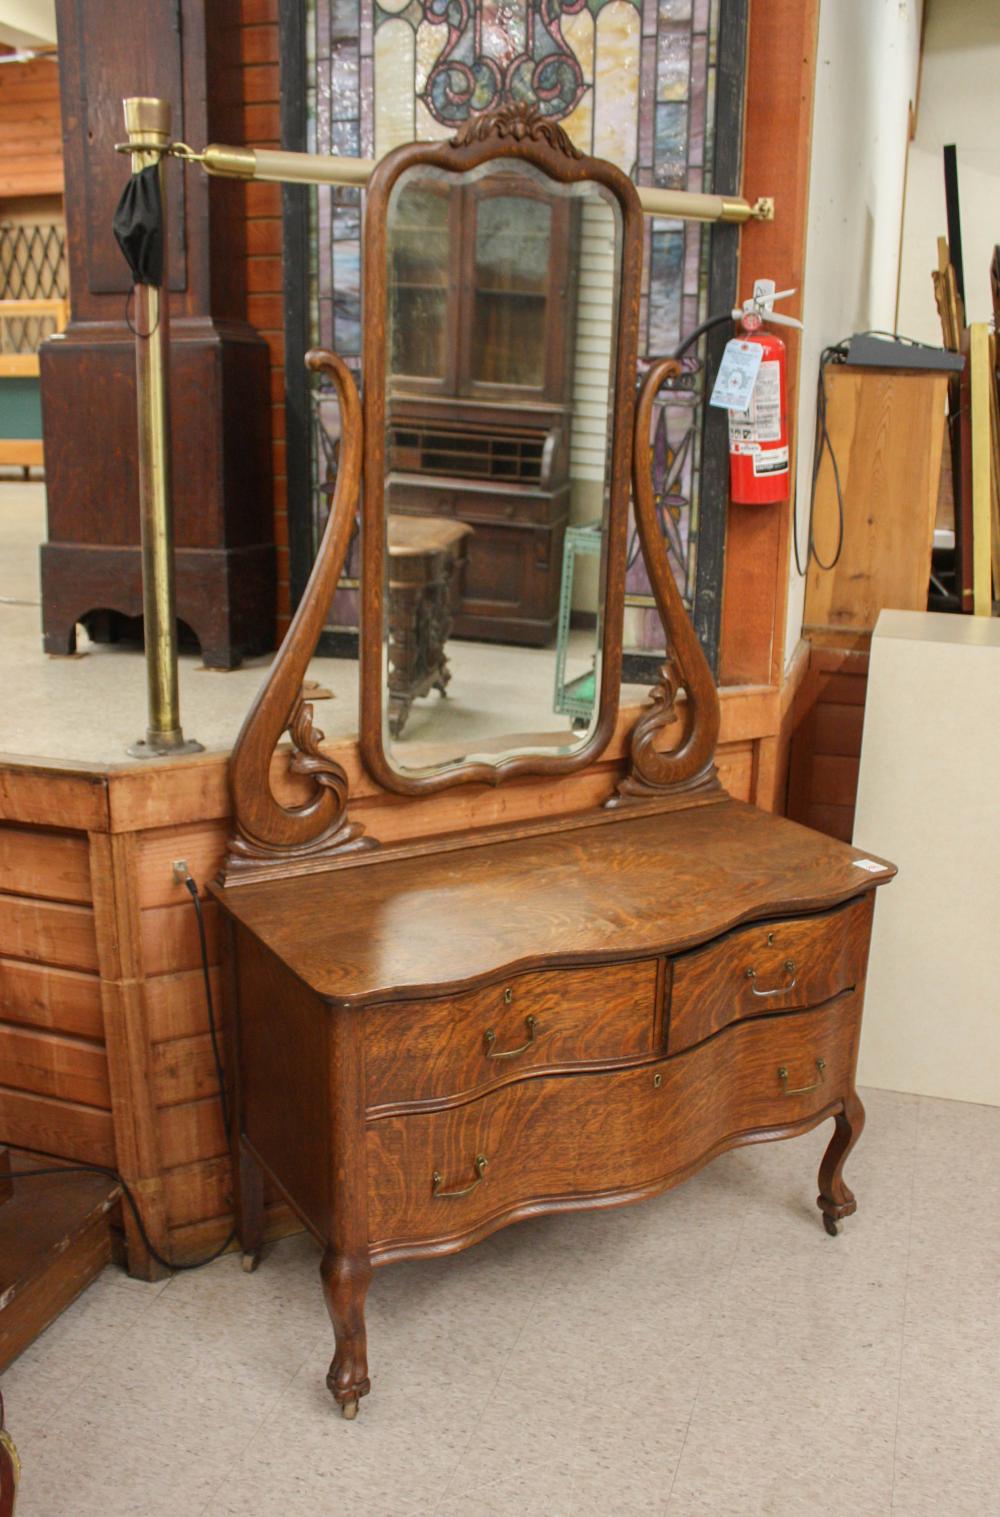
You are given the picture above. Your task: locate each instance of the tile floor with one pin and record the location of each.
(709, 1352)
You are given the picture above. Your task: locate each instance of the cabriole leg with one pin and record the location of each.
(835, 1199)
(345, 1286)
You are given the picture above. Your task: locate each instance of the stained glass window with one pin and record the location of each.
(629, 80)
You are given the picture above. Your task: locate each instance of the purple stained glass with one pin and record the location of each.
(495, 52)
(647, 95)
(343, 20)
(699, 71)
(666, 273)
(692, 258)
(345, 138)
(671, 145)
(344, 83)
(673, 63)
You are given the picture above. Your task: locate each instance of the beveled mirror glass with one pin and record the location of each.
(501, 322)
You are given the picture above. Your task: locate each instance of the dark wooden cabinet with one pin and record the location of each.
(189, 54)
(479, 404)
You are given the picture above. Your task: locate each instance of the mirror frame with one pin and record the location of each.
(520, 134)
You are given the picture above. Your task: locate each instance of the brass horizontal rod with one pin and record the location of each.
(279, 167)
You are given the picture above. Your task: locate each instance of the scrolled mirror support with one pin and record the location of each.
(689, 764)
(271, 838)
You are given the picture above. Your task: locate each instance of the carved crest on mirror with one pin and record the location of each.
(498, 440)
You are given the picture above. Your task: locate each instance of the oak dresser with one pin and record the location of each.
(438, 1037)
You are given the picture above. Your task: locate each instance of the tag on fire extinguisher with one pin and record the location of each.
(737, 375)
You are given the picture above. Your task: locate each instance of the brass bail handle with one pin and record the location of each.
(452, 1195)
(777, 990)
(147, 123)
(800, 1090)
(490, 1037)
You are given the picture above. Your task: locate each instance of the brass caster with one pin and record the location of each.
(349, 1409)
(830, 1225)
(250, 1262)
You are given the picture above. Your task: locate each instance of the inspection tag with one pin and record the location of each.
(737, 375)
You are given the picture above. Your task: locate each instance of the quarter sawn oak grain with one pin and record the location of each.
(646, 884)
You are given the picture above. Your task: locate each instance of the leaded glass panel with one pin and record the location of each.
(629, 80)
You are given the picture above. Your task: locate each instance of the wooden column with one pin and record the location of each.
(189, 53)
(781, 67)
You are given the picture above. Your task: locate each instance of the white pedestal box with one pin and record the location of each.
(929, 800)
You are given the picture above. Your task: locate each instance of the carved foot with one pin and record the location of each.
(835, 1199)
(345, 1286)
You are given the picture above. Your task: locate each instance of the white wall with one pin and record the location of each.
(866, 76)
(28, 23)
(959, 94)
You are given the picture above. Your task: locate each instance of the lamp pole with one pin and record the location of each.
(147, 124)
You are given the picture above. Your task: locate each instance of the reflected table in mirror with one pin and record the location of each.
(426, 563)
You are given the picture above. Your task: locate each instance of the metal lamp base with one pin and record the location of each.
(163, 745)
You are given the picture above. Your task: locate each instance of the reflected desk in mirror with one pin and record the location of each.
(426, 566)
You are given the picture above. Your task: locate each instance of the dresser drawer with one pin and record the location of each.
(451, 1045)
(766, 967)
(437, 1177)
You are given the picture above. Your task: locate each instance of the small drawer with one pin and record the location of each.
(476, 505)
(429, 1050)
(518, 509)
(770, 966)
(438, 1178)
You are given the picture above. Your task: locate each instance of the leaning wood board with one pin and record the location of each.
(887, 432)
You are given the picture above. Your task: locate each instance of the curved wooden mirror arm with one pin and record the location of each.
(689, 765)
(269, 835)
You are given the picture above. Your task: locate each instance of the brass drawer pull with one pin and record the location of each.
(510, 1053)
(449, 1195)
(800, 1090)
(779, 990)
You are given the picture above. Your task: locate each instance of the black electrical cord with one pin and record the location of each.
(112, 1174)
(192, 889)
(821, 442)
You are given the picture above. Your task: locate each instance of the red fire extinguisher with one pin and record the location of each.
(758, 437)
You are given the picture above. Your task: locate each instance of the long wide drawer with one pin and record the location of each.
(435, 1177)
(768, 966)
(452, 1045)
